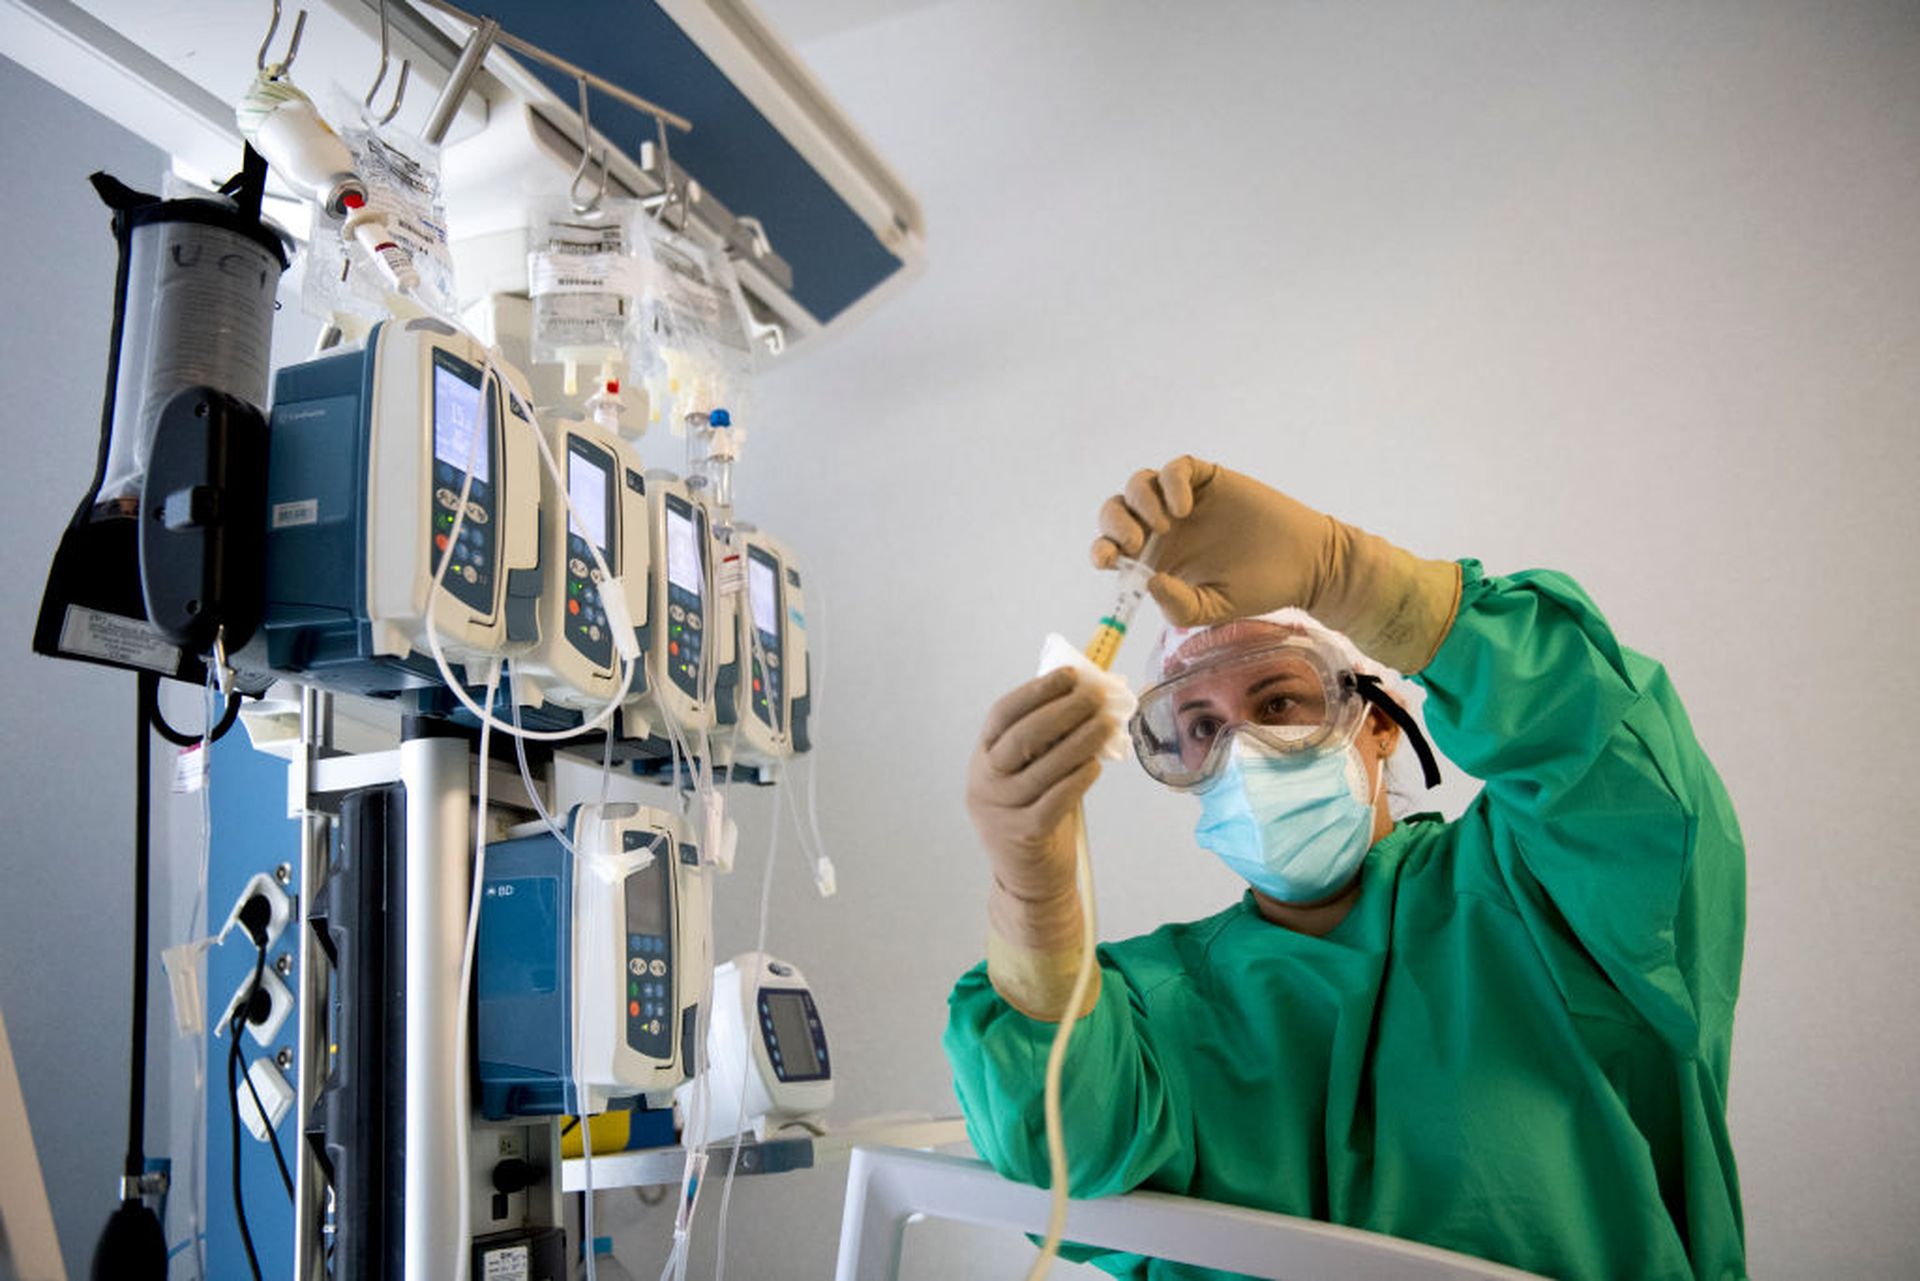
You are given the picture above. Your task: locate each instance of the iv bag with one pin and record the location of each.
(402, 177)
(583, 277)
(693, 328)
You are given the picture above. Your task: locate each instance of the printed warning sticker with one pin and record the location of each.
(111, 638)
(513, 1263)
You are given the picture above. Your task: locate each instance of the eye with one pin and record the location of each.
(1279, 710)
(1203, 729)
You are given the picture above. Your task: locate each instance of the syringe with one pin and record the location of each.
(1105, 645)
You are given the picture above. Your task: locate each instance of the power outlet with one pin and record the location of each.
(280, 1006)
(279, 905)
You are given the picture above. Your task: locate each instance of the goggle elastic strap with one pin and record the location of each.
(1368, 687)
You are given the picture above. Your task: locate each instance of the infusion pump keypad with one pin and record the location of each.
(650, 978)
(469, 573)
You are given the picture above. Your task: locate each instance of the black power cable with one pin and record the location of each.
(150, 703)
(245, 1013)
(133, 1246)
(235, 1024)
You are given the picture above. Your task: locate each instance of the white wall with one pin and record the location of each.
(1628, 290)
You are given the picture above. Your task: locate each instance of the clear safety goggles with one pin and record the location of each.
(1295, 695)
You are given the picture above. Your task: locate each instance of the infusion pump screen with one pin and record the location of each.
(683, 553)
(791, 1033)
(765, 595)
(456, 415)
(587, 495)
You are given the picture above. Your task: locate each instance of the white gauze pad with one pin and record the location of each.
(1057, 652)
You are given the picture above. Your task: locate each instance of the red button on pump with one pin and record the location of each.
(673, 647)
(573, 607)
(633, 1009)
(440, 542)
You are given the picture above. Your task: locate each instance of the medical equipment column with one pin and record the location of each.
(434, 770)
(316, 848)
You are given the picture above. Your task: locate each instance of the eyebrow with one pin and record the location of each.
(1285, 678)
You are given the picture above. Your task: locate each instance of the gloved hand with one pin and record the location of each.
(1230, 547)
(1037, 756)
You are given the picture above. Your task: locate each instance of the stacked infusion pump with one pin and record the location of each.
(417, 448)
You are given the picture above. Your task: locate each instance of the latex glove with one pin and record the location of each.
(1037, 756)
(1231, 547)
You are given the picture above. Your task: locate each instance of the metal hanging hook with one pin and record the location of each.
(400, 86)
(663, 157)
(586, 156)
(260, 62)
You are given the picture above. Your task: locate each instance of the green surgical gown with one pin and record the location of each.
(1515, 1046)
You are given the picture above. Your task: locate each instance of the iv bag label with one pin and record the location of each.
(304, 512)
(126, 641)
(514, 1263)
(729, 575)
(189, 770)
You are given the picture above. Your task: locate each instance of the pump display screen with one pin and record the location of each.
(456, 416)
(648, 891)
(587, 494)
(683, 553)
(793, 1038)
(765, 595)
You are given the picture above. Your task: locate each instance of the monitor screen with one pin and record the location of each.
(791, 1034)
(764, 592)
(456, 416)
(683, 553)
(587, 495)
(647, 893)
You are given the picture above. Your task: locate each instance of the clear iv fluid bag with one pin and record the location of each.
(198, 311)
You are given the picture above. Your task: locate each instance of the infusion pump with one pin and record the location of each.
(368, 491)
(766, 694)
(592, 966)
(577, 662)
(689, 643)
(765, 1036)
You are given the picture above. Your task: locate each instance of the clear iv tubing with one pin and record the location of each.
(1101, 651)
(464, 1014)
(488, 723)
(458, 688)
(702, 779)
(759, 951)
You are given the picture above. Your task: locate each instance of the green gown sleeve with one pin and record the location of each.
(1123, 1120)
(1600, 808)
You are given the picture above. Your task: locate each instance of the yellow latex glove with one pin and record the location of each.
(1037, 756)
(1231, 547)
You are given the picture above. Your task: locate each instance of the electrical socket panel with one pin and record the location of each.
(277, 898)
(282, 1007)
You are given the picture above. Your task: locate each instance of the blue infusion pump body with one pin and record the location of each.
(369, 452)
(622, 941)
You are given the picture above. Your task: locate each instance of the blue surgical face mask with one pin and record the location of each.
(1296, 830)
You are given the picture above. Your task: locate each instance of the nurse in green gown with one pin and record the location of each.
(1506, 1035)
